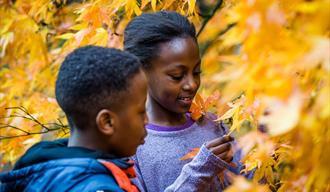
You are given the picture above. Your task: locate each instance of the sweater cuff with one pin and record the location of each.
(219, 164)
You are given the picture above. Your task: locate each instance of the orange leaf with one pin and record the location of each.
(199, 101)
(197, 107)
(212, 99)
(191, 154)
(196, 111)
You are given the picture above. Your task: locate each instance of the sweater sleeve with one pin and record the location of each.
(199, 173)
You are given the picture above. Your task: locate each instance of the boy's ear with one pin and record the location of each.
(106, 121)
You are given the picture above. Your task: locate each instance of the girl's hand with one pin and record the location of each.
(221, 147)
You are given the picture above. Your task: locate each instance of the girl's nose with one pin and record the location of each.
(146, 120)
(191, 84)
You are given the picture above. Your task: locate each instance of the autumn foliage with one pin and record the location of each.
(266, 73)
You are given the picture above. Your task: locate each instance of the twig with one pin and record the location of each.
(28, 116)
(208, 44)
(30, 133)
(32, 118)
(208, 18)
(14, 127)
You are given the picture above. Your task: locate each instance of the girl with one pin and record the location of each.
(166, 44)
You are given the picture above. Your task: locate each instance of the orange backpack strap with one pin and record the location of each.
(130, 171)
(120, 176)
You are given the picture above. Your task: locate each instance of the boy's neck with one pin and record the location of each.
(86, 140)
(159, 115)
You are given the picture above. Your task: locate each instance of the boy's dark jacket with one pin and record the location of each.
(52, 166)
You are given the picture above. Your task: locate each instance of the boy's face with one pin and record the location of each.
(130, 131)
(174, 76)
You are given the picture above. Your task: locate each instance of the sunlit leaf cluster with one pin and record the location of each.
(266, 73)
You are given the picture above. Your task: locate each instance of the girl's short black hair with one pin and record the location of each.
(92, 78)
(144, 33)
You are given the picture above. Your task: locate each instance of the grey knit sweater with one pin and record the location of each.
(158, 163)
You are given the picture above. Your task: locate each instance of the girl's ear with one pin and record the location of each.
(106, 122)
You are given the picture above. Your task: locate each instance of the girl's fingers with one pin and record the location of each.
(223, 155)
(226, 157)
(219, 141)
(229, 159)
(221, 149)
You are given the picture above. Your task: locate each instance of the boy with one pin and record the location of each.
(102, 92)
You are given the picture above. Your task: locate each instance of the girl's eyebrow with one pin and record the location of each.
(178, 66)
(183, 67)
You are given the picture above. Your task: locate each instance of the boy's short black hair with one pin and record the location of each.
(144, 33)
(92, 78)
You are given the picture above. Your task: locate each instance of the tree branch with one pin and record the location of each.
(208, 18)
(14, 127)
(208, 44)
(59, 126)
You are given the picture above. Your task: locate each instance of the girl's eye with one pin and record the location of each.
(197, 73)
(142, 114)
(176, 77)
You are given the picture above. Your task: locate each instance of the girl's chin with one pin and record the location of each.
(183, 109)
(178, 108)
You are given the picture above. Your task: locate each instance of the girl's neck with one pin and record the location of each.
(159, 115)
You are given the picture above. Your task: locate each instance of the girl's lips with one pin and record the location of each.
(185, 100)
(143, 139)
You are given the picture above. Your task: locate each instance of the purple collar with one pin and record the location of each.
(187, 124)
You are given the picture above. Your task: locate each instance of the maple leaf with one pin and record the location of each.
(199, 107)
(242, 185)
(281, 116)
(191, 154)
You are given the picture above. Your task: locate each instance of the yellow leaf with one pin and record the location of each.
(269, 174)
(235, 107)
(318, 54)
(100, 38)
(144, 3)
(191, 6)
(275, 14)
(168, 3)
(281, 116)
(230, 113)
(4, 41)
(308, 7)
(153, 5)
(81, 34)
(137, 10)
(241, 184)
(65, 36)
(78, 27)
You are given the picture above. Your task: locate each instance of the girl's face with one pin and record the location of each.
(174, 76)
